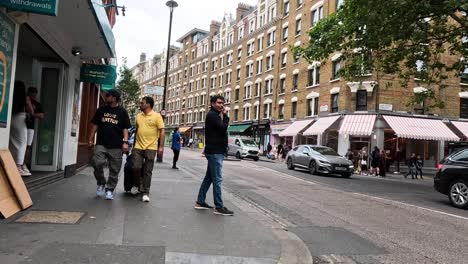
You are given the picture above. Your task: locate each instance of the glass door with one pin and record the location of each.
(49, 81)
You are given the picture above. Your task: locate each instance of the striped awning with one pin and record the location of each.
(321, 125)
(420, 128)
(295, 128)
(462, 126)
(358, 125)
(184, 129)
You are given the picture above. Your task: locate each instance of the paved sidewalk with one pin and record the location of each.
(125, 230)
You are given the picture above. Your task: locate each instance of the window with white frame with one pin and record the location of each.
(295, 82)
(312, 106)
(257, 111)
(203, 83)
(248, 91)
(316, 15)
(335, 69)
(241, 33)
(284, 59)
(221, 62)
(203, 99)
(259, 67)
(267, 108)
(236, 94)
(298, 26)
(314, 76)
(361, 100)
(339, 3)
(260, 43)
(269, 86)
(239, 54)
(334, 102)
(228, 78)
(294, 110)
(196, 101)
(285, 34)
(238, 74)
(281, 111)
(250, 49)
(247, 110)
(286, 8)
(205, 66)
(270, 62)
(213, 82)
(229, 59)
(236, 114)
(227, 97)
(272, 13)
(191, 86)
(464, 74)
(252, 26)
(271, 38)
(250, 70)
(221, 81)
(282, 88)
(258, 88)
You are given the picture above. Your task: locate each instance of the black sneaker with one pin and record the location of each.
(223, 211)
(175, 168)
(202, 206)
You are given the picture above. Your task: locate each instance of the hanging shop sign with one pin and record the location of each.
(44, 7)
(98, 73)
(7, 43)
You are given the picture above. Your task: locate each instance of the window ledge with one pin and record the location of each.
(294, 91)
(299, 7)
(464, 84)
(267, 94)
(296, 63)
(281, 94)
(297, 35)
(335, 80)
(286, 15)
(285, 41)
(269, 70)
(313, 86)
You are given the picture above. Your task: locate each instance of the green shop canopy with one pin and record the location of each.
(98, 73)
(239, 128)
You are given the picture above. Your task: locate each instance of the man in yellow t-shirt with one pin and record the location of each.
(149, 127)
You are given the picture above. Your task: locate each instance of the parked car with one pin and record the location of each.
(243, 148)
(319, 159)
(452, 178)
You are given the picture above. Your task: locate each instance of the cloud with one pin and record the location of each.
(144, 28)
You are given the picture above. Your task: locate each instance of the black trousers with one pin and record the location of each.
(176, 157)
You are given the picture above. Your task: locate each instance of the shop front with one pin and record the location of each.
(355, 133)
(186, 133)
(421, 136)
(47, 53)
(199, 136)
(261, 133)
(241, 130)
(324, 131)
(276, 129)
(292, 134)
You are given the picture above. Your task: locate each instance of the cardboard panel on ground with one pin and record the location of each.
(12, 183)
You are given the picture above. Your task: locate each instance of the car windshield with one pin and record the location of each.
(249, 143)
(325, 151)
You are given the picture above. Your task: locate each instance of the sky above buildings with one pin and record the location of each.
(144, 27)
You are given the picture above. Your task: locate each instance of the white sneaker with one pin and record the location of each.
(23, 173)
(100, 190)
(25, 169)
(109, 195)
(134, 190)
(145, 198)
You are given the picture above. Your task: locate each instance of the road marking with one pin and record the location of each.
(411, 205)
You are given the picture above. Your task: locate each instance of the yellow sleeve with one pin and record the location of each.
(136, 120)
(160, 122)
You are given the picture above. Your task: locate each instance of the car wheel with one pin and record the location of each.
(458, 194)
(238, 156)
(290, 164)
(313, 167)
(256, 158)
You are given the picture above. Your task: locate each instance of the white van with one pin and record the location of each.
(243, 148)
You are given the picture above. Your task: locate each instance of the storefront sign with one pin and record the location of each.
(324, 108)
(7, 43)
(154, 90)
(45, 7)
(97, 73)
(386, 107)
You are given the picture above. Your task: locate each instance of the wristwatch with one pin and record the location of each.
(125, 141)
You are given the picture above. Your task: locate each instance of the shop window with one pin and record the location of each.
(294, 110)
(361, 100)
(463, 107)
(334, 103)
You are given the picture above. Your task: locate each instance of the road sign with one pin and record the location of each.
(153, 90)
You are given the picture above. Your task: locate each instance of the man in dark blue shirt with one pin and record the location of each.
(175, 147)
(216, 125)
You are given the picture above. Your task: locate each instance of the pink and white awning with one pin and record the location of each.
(295, 128)
(462, 126)
(358, 125)
(419, 128)
(320, 126)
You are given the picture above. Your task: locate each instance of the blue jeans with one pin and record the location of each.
(213, 175)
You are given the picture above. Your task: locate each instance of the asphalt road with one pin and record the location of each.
(362, 219)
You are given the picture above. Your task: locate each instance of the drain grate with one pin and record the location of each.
(51, 217)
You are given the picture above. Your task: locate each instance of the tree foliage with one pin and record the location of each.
(130, 91)
(403, 38)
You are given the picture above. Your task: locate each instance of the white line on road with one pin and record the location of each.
(411, 205)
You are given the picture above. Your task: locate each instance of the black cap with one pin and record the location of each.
(114, 93)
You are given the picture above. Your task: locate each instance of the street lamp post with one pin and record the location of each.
(171, 4)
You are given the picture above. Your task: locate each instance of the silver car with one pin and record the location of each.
(319, 159)
(243, 148)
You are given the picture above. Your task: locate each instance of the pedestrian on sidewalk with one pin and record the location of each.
(280, 151)
(411, 166)
(383, 163)
(175, 147)
(216, 125)
(111, 122)
(364, 160)
(149, 127)
(37, 113)
(375, 161)
(419, 166)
